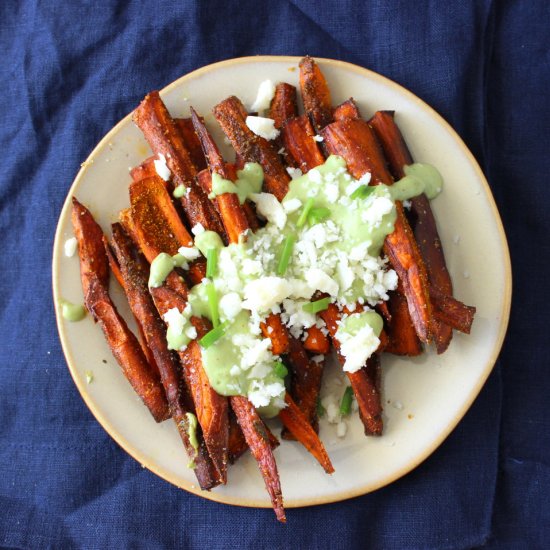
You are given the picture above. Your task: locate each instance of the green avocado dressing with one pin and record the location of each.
(179, 191)
(361, 223)
(249, 181)
(72, 312)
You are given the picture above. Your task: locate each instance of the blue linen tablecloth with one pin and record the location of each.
(70, 72)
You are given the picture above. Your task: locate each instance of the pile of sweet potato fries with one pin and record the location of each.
(174, 384)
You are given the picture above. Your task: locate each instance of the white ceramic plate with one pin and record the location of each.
(429, 395)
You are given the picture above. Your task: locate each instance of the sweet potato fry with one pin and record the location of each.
(259, 442)
(294, 420)
(297, 135)
(316, 342)
(354, 140)
(453, 313)
(283, 105)
(305, 383)
(232, 215)
(231, 115)
(422, 221)
(364, 387)
(348, 109)
(402, 338)
(274, 329)
(192, 143)
(123, 343)
(211, 408)
(134, 275)
(164, 138)
(315, 94)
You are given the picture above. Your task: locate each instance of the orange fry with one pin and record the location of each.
(231, 115)
(348, 109)
(259, 442)
(295, 421)
(299, 144)
(315, 93)
(283, 105)
(124, 345)
(354, 140)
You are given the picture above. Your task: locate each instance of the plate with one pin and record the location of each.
(424, 398)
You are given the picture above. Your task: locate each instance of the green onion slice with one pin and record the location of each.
(317, 306)
(362, 192)
(211, 262)
(303, 216)
(213, 336)
(212, 296)
(286, 254)
(318, 215)
(345, 404)
(279, 369)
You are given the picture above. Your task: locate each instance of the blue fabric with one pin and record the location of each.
(69, 72)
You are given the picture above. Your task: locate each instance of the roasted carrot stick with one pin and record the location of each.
(354, 140)
(315, 93)
(134, 277)
(283, 105)
(231, 115)
(293, 419)
(258, 440)
(423, 222)
(348, 109)
(124, 345)
(299, 144)
(164, 138)
(364, 386)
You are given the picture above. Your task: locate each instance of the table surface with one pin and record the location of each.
(68, 74)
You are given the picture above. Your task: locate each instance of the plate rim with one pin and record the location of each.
(323, 499)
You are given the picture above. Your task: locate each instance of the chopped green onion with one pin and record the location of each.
(317, 306)
(286, 254)
(303, 216)
(345, 404)
(320, 409)
(318, 215)
(212, 296)
(362, 192)
(279, 369)
(211, 262)
(213, 336)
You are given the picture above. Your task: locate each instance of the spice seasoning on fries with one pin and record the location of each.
(273, 271)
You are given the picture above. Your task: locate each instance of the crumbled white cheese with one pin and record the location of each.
(270, 208)
(263, 127)
(260, 394)
(198, 229)
(266, 91)
(190, 253)
(365, 178)
(376, 210)
(161, 167)
(70, 247)
(175, 319)
(407, 204)
(281, 151)
(294, 173)
(357, 348)
(318, 138)
(292, 205)
(230, 305)
(398, 405)
(321, 281)
(341, 429)
(264, 293)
